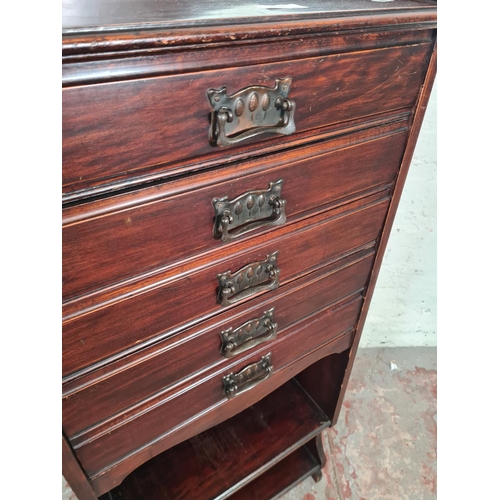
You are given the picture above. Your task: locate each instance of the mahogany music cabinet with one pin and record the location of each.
(231, 172)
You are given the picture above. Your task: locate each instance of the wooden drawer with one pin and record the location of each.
(109, 241)
(127, 129)
(102, 394)
(166, 415)
(172, 114)
(179, 300)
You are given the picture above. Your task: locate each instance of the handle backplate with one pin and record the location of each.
(249, 280)
(252, 333)
(249, 112)
(248, 377)
(249, 211)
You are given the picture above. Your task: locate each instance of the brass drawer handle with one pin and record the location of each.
(252, 333)
(249, 280)
(249, 112)
(249, 211)
(248, 377)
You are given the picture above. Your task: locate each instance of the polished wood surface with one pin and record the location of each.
(72, 470)
(135, 127)
(110, 477)
(109, 245)
(174, 303)
(227, 457)
(104, 393)
(281, 478)
(127, 433)
(163, 58)
(142, 363)
(83, 15)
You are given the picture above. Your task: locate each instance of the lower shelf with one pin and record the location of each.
(255, 455)
(281, 478)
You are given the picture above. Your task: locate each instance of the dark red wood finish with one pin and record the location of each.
(271, 485)
(154, 229)
(104, 393)
(331, 368)
(142, 369)
(113, 475)
(164, 58)
(187, 297)
(227, 457)
(158, 123)
(281, 478)
(103, 445)
(74, 473)
(113, 15)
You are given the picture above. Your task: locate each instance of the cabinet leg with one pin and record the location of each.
(74, 474)
(315, 446)
(317, 476)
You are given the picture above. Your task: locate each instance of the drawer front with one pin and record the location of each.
(110, 444)
(125, 129)
(128, 323)
(101, 395)
(104, 248)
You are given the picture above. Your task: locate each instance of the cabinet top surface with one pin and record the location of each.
(116, 15)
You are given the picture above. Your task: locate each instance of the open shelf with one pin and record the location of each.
(266, 441)
(281, 478)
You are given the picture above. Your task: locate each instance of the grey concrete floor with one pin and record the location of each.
(384, 444)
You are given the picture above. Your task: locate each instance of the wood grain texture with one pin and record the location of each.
(330, 370)
(74, 474)
(281, 478)
(169, 307)
(230, 455)
(140, 284)
(142, 371)
(123, 185)
(412, 141)
(111, 476)
(358, 134)
(137, 125)
(106, 246)
(74, 384)
(102, 446)
(105, 393)
(163, 59)
(114, 15)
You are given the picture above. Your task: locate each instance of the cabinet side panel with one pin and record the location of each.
(403, 172)
(330, 371)
(74, 474)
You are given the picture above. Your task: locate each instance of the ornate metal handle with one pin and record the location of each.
(247, 378)
(249, 112)
(254, 332)
(251, 210)
(249, 280)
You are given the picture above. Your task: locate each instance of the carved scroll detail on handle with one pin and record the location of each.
(248, 377)
(249, 112)
(249, 280)
(252, 333)
(249, 211)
